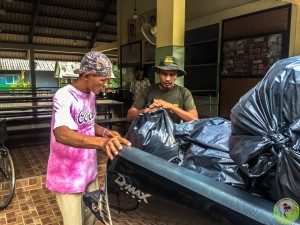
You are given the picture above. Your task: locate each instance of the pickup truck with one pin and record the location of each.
(141, 188)
(264, 143)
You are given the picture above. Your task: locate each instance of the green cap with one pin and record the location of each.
(169, 63)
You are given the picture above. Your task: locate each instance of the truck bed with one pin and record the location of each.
(176, 195)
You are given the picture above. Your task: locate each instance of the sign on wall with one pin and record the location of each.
(251, 57)
(131, 29)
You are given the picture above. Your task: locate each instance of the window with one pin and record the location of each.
(2, 79)
(9, 79)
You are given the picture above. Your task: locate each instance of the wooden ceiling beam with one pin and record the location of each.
(71, 6)
(55, 53)
(54, 36)
(46, 48)
(13, 50)
(57, 59)
(48, 26)
(56, 16)
(71, 18)
(29, 13)
(34, 19)
(72, 29)
(61, 36)
(66, 37)
(18, 11)
(64, 5)
(14, 23)
(108, 6)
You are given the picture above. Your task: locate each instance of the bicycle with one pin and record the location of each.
(7, 170)
(119, 198)
(99, 203)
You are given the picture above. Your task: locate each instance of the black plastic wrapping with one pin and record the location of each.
(266, 130)
(96, 201)
(205, 146)
(153, 132)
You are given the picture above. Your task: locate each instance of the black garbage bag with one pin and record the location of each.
(153, 132)
(265, 140)
(205, 146)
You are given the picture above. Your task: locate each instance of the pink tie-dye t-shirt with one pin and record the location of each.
(71, 169)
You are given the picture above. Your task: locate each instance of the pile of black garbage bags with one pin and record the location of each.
(258, 150)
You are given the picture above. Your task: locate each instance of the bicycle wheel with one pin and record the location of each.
(7, 178)
(122, 201)
(119, 198)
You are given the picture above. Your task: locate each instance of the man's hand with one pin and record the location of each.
(112, 146)
(111, 133)
(158, 103)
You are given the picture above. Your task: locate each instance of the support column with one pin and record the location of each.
(170, 32)
(32, 69)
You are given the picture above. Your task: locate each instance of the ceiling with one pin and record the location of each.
(64, 30)
(60, 30)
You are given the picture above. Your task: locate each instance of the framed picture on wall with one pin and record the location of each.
(252, 56)
(131, 29)
(152, 18)
(131, 54)
(141, 21)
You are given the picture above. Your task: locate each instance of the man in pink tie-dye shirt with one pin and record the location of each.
(75, 138)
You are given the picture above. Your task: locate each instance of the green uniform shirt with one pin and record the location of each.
(178, 96)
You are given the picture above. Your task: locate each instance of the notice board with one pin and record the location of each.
(251, 57)
(131, 54)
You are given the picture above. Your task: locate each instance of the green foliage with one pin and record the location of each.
(21, 84)
(115, 83)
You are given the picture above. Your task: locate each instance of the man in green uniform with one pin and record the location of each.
(175, 99)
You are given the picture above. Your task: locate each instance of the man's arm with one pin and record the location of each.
(185, 115)
(104, 132)
(182, 114)
(134, 112)
(138, 106)
(66, 136)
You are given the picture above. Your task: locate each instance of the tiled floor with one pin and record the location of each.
(35, 205)
(31, 159)
(32, 202)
